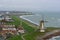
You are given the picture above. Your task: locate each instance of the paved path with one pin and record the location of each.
(22, 36)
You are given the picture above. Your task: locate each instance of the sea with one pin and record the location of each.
(52, 18)
(55, 38)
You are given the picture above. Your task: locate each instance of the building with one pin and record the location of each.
(20, 30)
(6, 17)
(42, 28)
(8, 29)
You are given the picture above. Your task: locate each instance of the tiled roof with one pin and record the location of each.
(4, 31)
(8, 26)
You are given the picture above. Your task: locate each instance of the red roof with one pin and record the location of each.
(7, 26)
(4, 31)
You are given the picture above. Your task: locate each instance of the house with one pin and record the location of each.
(6, 18)
(20, 30)
(8, 29)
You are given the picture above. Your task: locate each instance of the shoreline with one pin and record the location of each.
(29, 20)
(31, 24)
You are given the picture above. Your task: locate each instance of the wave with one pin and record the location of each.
(55, 38)
(23, 17)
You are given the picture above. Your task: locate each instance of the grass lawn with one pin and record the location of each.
(33, 35)
(15, 37)
(24, 24)
(30, 34)
(27, 28)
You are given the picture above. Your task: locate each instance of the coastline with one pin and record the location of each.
(35, 33)
(29, 22)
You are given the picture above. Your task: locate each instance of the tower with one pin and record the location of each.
(42, 27)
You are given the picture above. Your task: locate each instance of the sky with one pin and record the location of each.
(30, 5)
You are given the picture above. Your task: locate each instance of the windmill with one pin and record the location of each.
(42, 27)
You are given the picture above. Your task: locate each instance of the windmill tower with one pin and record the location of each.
(42, 27)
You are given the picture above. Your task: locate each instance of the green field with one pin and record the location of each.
(26, 27)
(30, 32)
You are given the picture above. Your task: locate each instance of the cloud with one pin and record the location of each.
(49, 5)
(1, 5)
